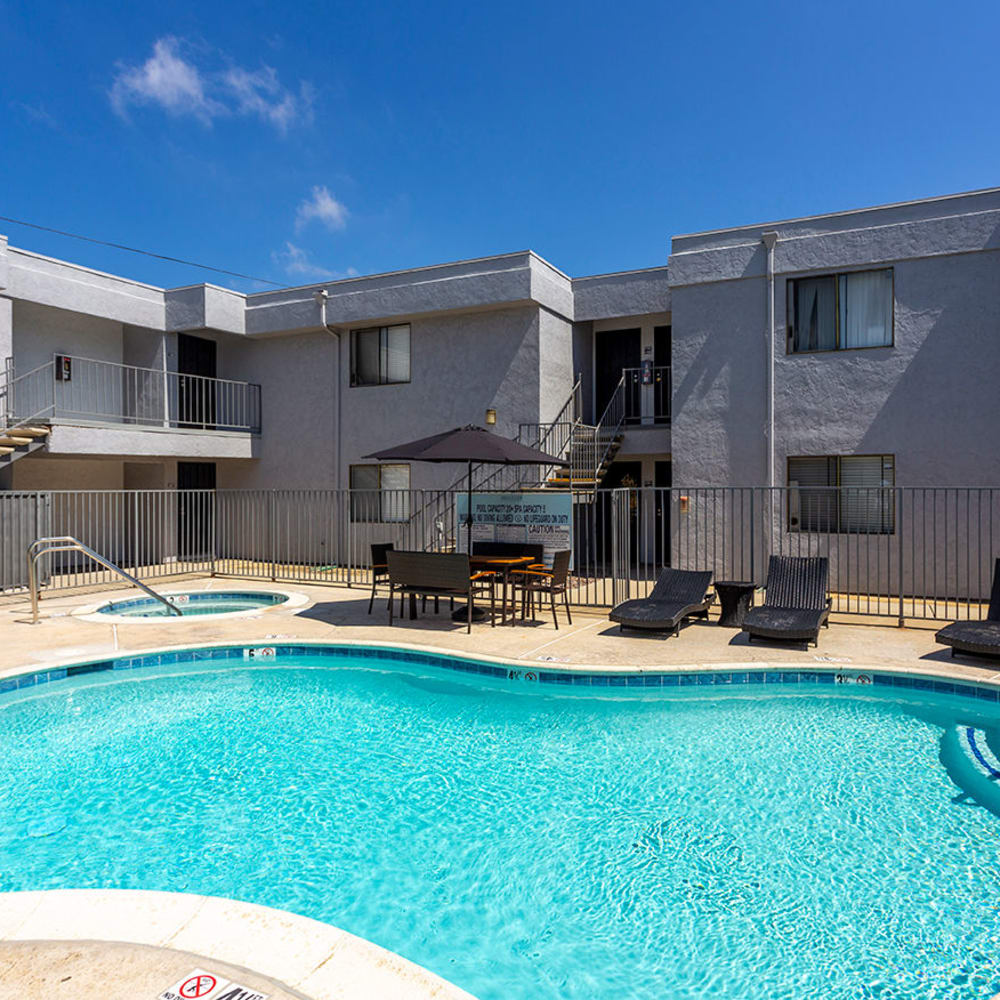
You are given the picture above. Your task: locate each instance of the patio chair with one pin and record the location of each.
(541, 581)
(978, 638)
(795, 604)
(380, 568)
(678, 594)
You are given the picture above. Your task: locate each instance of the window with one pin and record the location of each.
(847, 494)
(380, 356)
(838, 312)
(380, 493)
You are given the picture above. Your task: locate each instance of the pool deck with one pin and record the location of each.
(336, 613)
(150, 936)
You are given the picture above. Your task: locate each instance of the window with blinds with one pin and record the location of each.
(380, 493)
(844, 494)
(381, 355)
(840, 312)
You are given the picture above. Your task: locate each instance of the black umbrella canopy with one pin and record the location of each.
(467, 444)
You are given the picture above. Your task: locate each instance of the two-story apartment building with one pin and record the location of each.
(860, 347)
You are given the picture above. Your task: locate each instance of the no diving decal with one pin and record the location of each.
(201, 985)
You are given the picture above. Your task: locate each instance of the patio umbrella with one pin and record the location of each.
(470, 444)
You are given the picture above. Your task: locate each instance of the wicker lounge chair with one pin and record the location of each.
(980, 638)
(795, 603)
(678, 594)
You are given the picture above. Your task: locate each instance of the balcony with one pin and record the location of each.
(76, 390)
(647, 396)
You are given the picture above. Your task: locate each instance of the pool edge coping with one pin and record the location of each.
(517, 669)
(307, 956)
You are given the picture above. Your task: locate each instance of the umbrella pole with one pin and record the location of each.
(461, 614)
(468, 519)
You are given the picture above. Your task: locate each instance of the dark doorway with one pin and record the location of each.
(195, 510)
(662, 481)
(196, 363)
(661, 383)
(613, 351)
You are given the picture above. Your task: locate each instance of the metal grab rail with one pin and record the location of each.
(67, 543)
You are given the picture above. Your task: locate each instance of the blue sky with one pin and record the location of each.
(315, 140)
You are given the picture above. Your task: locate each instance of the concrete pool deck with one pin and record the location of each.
(336, 613)
(119, 944)
(152, 935)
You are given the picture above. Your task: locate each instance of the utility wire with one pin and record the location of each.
(146, 253)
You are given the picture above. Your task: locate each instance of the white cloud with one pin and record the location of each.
(321, 205)
(260, 93)
(171, 79)
(297, 262)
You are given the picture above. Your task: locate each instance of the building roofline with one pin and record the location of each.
(843, 212)
(412, 270)
(84, 268)
(615, 274)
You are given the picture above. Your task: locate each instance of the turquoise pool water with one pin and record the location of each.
(526, 841)
(193, 603)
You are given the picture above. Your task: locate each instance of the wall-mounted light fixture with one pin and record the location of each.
(491, 417)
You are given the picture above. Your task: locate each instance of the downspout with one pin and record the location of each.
(769, 240)
(321, 295)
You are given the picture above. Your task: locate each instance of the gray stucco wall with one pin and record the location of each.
(930, 399)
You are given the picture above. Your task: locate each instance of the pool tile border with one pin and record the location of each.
(766, 674)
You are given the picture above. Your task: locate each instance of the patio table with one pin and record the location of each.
(504, 565)
(735, 600)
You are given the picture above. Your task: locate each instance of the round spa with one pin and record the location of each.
(534, 832)
(192, 604)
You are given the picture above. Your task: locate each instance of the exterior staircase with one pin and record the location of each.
(18, 441)
(591, 452)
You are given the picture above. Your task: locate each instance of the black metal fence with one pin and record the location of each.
(900, 552)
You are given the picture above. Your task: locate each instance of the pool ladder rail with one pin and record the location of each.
(67, 543)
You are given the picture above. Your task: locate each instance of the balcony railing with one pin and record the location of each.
(71, 388)
(647, 402)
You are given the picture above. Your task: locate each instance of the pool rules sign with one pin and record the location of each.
(201, 985)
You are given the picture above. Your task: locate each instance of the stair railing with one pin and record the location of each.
(608, 427)
(67, 543)
(28, 397)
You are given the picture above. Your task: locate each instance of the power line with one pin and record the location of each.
(145, 253)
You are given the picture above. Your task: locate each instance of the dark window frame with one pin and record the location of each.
(838, 493)
(368, 504)
(383, 347)
(790, 284)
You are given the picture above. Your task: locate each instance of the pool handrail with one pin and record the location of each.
(67, 543)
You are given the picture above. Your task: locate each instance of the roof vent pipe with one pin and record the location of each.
(769, 240)
(321, 295)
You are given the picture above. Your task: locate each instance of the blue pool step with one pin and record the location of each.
(972, 762)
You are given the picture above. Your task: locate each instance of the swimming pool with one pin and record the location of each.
(671, 835)
(190, 603)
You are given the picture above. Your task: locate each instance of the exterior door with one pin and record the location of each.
(196, 363)
(195, 510)
(613, 351)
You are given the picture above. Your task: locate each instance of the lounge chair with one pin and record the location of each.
(678, 594)
(980, 638)
(795, 602)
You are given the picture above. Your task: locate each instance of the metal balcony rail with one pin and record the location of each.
(41, 547)
(73, 388)
(647, 402)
